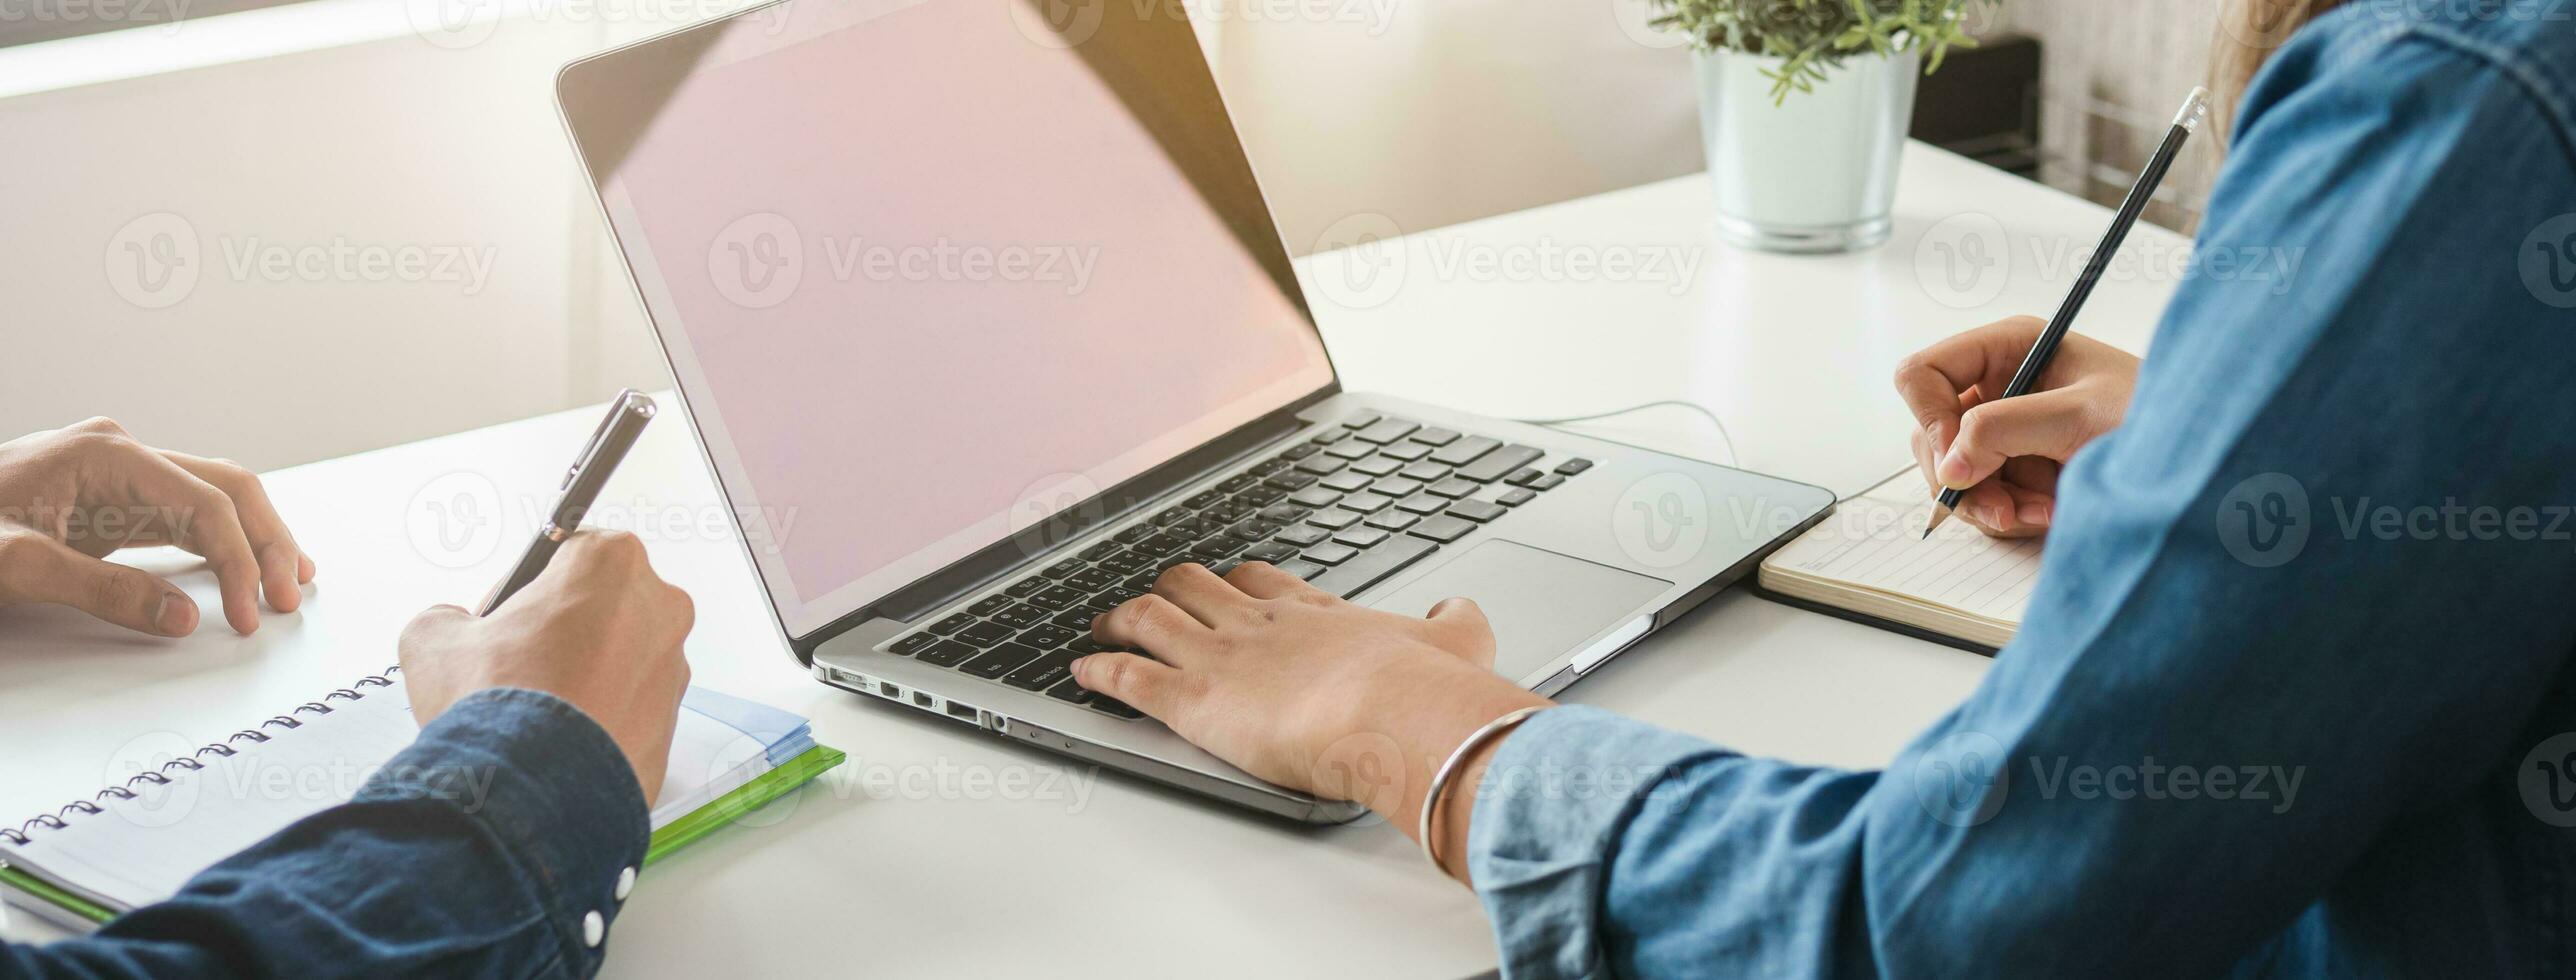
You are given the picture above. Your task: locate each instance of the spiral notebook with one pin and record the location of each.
(137, 843)
(1869, 562)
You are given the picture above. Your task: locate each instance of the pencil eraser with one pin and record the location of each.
(2195, 110)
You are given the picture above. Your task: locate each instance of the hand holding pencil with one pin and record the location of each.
(2005, 454)
(2052, 334)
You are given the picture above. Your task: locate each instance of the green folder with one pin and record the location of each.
(753, 795)
(786, 778)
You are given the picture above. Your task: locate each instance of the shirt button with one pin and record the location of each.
(593, 929)
(625, 883)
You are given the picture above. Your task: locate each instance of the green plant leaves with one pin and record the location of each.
(1811, 37)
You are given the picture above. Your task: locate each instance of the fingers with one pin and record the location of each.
(1263, 580)
(591, 551)
(1463, 630)
(1459, 612)
(283, 567)
(2032, 473)
(1203, 595)
(617, 562)
(616, 566)
(37, 568)
(2048, 423)
(2033, 510)
(210, 526)
(1927, 460)
(1145, 685)
(1153, 624)
(1989, 507)
(680, 609)
(1932, 379)
(2007, 510)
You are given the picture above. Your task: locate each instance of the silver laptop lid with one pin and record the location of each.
(928, 272)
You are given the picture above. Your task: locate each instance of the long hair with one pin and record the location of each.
(2248, 32)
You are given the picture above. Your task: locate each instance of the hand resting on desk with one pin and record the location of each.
(598, 629)
(69, 497)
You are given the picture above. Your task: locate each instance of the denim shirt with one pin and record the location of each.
(410, 878)
(2291, 698)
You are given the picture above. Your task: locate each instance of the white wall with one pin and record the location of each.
(1432, 113)
(190, 250)
(362, 123)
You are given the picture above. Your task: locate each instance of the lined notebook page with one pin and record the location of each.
(1873, 541)
(139, 851)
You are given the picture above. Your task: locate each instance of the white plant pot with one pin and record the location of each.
(1814, 174)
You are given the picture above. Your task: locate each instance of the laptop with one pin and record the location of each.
(982, 322)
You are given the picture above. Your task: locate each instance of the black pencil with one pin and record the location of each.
(2194, 110)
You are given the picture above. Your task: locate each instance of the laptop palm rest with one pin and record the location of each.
(1541, 603)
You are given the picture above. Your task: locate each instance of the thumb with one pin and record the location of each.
(41, 569)
(1146, 685)
(425, 631)
(2048, 424)
(1465, 630)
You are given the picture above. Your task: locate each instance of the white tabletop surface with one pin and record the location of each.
(942, 851)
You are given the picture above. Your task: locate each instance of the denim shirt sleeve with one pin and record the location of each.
(2338, 681)
(478, 851)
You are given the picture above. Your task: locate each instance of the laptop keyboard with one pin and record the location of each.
(1344, 510)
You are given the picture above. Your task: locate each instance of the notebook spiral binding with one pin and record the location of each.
(26, 830)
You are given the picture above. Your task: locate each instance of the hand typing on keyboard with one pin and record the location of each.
(1347, 506)
(1302, 688)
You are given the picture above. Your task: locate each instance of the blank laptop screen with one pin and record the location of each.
(930, 271)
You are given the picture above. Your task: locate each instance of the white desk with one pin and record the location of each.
(943, 851)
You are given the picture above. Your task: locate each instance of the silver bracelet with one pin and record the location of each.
(1440, 777)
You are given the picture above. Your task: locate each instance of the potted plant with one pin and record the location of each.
(1804, 107)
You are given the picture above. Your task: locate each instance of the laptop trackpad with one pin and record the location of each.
(1541, 603)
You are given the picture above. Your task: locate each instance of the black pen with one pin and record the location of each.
(581, 485)
(2194, 111)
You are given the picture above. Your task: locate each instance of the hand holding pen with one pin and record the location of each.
(1938, 381)
(582, 482)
